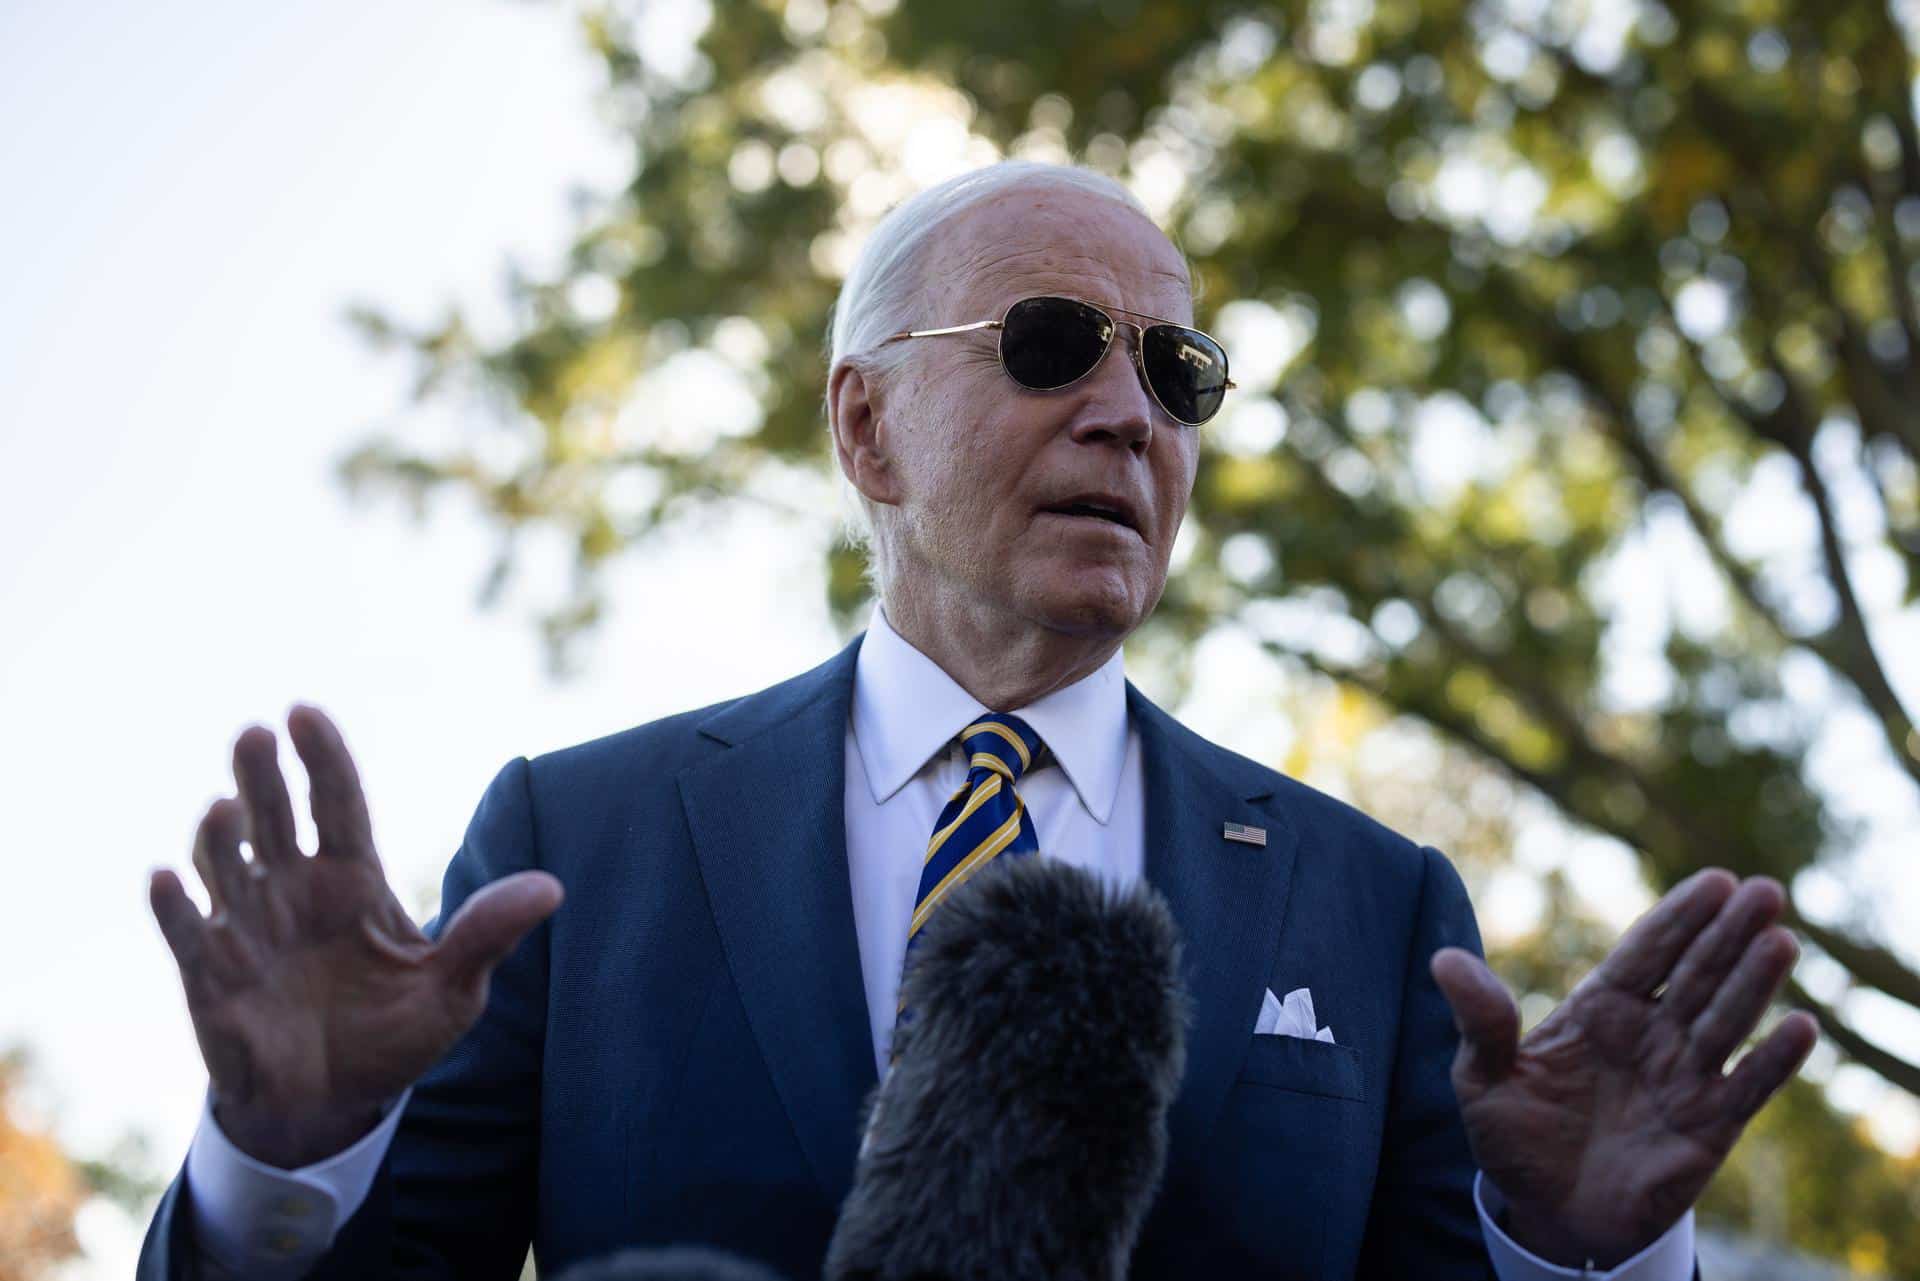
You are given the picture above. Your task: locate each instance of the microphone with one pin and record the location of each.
(682, 1263)
(1021, 1133)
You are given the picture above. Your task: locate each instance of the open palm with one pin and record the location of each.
(313, 995)
(1602, 1126)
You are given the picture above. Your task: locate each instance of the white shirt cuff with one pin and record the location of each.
(1669, 1258)
(253, 1220)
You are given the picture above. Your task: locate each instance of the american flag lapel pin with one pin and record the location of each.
(1245, 835)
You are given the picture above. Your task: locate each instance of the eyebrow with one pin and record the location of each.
(1081, 291)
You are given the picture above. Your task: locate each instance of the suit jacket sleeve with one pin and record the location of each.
(455, 1196)
(1422, 1221)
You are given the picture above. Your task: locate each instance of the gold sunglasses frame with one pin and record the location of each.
(1133, 349)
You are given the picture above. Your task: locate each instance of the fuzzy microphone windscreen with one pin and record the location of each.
(1021, 1133)
(684, 1263)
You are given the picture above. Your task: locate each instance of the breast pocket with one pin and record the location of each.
(1292, 1154)
(1307, 1067)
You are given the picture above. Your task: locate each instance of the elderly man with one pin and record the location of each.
(679, 1054)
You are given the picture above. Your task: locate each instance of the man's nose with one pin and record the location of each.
(1115, 408)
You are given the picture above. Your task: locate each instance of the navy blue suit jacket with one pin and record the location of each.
(681, 1053)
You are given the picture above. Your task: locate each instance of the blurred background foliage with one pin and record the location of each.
(1577, 453)
(40, 1188)
(43, 1189)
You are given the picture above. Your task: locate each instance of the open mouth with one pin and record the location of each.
(1095, 509)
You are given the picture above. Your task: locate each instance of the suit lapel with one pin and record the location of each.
(1228, 898)
(769, 829)
(768, 823)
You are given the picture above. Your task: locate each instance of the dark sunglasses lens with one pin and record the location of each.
(1187, 370)
(1050, 342)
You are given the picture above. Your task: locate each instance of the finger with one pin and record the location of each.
(1647, 951)
(256, 767)
(180, 921)
(1766, 1068)
(1736, 1008)
(1710, 958)
(338, 802)
(488, 925)
(1488, 1020)
(224, 956)
(216, 855)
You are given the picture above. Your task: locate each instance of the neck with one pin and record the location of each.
(1005, 662)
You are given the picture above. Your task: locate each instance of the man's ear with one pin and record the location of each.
(854, 416)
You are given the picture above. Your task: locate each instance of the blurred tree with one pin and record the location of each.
(1805, 1175)
(40, 1189)
(43, 1187)
(1579, 342)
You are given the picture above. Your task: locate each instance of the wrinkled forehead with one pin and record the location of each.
(1053, 240)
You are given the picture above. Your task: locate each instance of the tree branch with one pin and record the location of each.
(1679, 827)
(1864, 668)
(1890, 1066)
(1899, 288)
(1881, 408)
(1847, 647)
(1659, 478)
(1878, 406)
(1874, 966)
(1557, 785)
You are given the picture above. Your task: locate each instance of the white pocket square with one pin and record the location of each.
(1292, 1017)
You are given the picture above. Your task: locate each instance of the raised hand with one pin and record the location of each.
(313, 995)
(1604, 1124)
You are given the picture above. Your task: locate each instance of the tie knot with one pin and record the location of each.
(1003, 744)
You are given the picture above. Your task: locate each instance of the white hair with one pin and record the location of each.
(882, 295)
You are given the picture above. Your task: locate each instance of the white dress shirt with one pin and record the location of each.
(903, 761)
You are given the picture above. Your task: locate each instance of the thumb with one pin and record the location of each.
(491, 921)
(1488, 1020)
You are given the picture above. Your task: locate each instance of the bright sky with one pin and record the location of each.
(194, 194)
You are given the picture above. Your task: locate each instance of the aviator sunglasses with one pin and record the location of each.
(1048, 343)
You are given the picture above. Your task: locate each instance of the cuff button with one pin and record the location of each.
(282, 1244)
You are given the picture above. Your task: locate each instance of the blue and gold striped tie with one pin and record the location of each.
(985, 818)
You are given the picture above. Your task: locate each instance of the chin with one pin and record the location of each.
(1089, 607)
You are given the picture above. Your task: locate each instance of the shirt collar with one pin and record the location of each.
(905, 709)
